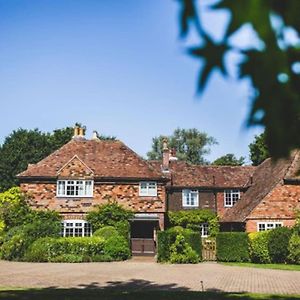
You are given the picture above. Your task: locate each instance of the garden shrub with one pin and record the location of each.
(232, 246)
(117, 248)
(70, 258)
(278, 244)
(294, 249)
(258, 247)
(167, 238)
(181, 252)
(106, 232)
(123, 228)
(193, 219)
(108, 215)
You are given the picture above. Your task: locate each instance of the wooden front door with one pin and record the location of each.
(142, 237)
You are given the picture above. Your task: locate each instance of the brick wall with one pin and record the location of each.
(43, 196)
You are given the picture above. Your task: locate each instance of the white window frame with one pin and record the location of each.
(148, 189)
(268, 225)
(231, 199)
(186, 198)
(62, 188)
(69, 227)
(204, 230)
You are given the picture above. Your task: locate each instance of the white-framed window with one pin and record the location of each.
(74, 188)
(76, 228)
(148, 188)
(190, 198)
(204, 230)
(231, 197)
(263, 226)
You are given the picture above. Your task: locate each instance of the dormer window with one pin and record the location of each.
(148, 189)
(74, 188)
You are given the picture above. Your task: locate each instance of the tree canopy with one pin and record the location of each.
(229, 160)
(258, 150)
(23, 147)
(271, 62)
(190, 145)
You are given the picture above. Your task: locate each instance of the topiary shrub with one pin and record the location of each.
(258, 247)
(232, 246)
(181, 252)
(106, 232)
(294, 249)
(278, 244)
(117, 248)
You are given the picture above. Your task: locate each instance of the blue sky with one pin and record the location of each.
(115, 66)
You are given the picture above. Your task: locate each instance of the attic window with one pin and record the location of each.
(74, 188)
(231, 197)
(148, 188)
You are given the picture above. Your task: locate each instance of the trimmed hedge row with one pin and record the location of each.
(178, 245)
(232, 246)
(78, 249)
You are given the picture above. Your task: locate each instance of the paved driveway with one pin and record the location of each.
(149, 275)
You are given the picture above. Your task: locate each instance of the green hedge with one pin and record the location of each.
(258, 247)
(278, 244)
(232, 246)
(168, 238)
(294, 249)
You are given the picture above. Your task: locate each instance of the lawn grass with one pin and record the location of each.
(113, 294)
(264, 266)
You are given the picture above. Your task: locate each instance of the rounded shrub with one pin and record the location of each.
(106, 232)
(294, 249)
(278, 244)
(181, 252)
(117, 248)
(258, 247)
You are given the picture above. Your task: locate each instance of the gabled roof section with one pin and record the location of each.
(75, 167)
(188, 175)
(265, 178)
(105, 158)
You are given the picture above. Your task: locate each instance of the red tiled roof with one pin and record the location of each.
(266, 176)
(105, 158)
(187, 175)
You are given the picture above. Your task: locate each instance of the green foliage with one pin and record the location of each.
(278, 244)
(106, 232)
(232, 246)
(48, 249)
(258, 247)
(294, 249)
(258, 149)
(70, 258)
(13, 208)
(191, 145)
(276, 54)
(123, 228)
(108, 215)
(167, 238)
(194, 218)
(229, 160)
(181, 252)
(117, 248)
(23, 147)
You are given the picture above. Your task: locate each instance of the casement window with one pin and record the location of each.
(76, 228)
(204, 230)
(148, 188)
(74, 188)
(263, 226)
(231, 197)
(190, 198)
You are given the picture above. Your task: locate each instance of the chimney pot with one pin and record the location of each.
(95, 135)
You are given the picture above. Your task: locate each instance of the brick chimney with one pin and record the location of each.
(166, 156)
(79, 132)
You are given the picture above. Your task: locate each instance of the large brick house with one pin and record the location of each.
(85, 173)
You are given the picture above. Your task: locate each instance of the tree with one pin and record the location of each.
(258, 149)
(271, 63)
(190, 145)
(229, 160)
(23, 147)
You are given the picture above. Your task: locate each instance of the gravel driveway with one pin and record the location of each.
(149, 275)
